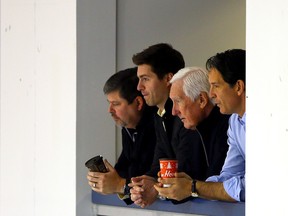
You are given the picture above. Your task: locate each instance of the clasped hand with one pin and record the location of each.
(180, 187)
(143, 192)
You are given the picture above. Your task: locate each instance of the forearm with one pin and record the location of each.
(213, 191)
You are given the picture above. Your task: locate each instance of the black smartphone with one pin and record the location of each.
(96, 164)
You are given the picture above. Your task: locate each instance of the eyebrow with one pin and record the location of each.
(112, 101)
(213, 83)
(176, 98)
(144, 75)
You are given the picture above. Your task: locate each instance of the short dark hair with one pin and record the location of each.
(231, 64)
(124, 81)
(162, 58)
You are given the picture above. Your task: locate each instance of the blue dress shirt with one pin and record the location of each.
(233, 171)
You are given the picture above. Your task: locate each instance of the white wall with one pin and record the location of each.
(38, 107)
(267, 94)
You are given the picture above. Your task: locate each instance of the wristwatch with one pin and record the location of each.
(194, 191)
(126, 187)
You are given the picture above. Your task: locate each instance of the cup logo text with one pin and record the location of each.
(168, 168)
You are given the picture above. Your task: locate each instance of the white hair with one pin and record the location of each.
(195, 81)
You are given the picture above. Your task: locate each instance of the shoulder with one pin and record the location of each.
(234, 119)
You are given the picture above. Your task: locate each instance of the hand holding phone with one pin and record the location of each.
(96, 164)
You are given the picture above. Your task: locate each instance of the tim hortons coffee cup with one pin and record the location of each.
(168, 168)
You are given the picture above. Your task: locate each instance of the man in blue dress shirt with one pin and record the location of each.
(227, 89)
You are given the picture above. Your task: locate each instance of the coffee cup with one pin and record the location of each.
(168, 168)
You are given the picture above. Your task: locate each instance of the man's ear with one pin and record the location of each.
(203, 99)
(168, 78)
(140, 102)
(240, 87)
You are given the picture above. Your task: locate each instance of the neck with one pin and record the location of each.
(242, 107)
(133, 124)
(161, 106)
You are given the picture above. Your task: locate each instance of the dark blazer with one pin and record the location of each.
(200, 153)
(214, 134)
(175, 141)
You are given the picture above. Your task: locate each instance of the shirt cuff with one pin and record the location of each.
(233, 188)
(123, 196)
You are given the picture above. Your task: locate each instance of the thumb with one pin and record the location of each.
(182, 175)
(108, 165)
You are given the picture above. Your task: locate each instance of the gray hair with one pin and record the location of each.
(195, 81)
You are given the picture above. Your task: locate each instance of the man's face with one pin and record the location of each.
(154, 90)
(187, 110)
(224, 96)
(124, 114)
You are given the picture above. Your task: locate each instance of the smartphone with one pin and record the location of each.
(96, 164)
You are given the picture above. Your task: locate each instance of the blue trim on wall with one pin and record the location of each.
(195, 206)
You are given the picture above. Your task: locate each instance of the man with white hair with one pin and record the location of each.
(191, 103)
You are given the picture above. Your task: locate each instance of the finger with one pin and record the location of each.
(161, 191)
(159, 185)
(92, 174)
(138, 202)
(132, 191)
(135, 184)
(92, 184)
(132, 184)
(147, 177)
(158, 188)
(95, 174)
(138, 189)
(92, 179)
(136, 198)
(167, 181)
(144, 204)
(136, 179)
(159, 179)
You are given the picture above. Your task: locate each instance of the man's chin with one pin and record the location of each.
(189, 126)
(120, 124)
(223, 111)
(150, 103)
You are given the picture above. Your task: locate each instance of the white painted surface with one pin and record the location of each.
(38, 108)
(267, 119)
